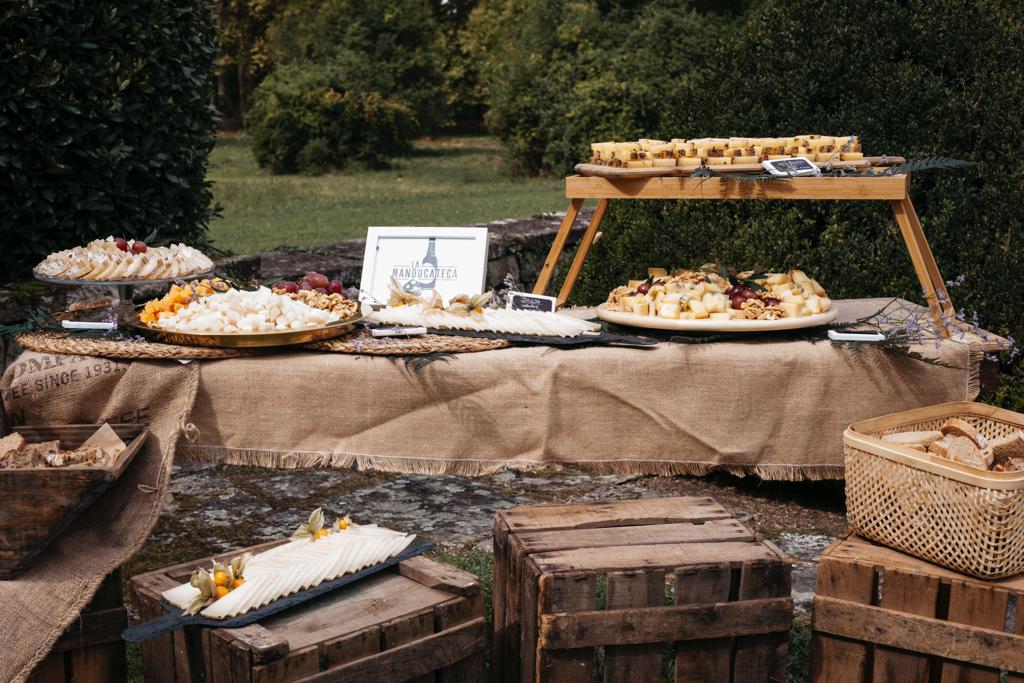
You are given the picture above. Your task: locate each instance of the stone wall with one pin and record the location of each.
(518, 248)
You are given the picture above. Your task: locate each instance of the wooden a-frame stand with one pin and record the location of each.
(882, 188)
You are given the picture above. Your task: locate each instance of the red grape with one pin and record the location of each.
(317, 280)
(772, 301)
(644, 288)
(320, 290)
(335, 287)
(121, 243)
(288, 286)
(139, 247)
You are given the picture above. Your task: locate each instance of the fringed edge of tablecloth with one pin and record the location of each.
(273, 459)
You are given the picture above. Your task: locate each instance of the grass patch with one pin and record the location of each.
(446, 181)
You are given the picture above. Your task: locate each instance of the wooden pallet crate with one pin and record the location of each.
(91, 649)
(676, 572)
(881, 615)
(422, 621)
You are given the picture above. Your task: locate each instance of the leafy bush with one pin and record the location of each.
(392, 47)
(560, 74)
(106, 121)
(303, 119)
(915, 78)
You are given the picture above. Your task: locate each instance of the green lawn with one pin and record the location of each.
(446, 181)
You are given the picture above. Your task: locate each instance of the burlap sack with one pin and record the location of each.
(38, 606)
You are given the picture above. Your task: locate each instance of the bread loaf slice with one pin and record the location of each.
(957, 427)
(963, 450)
(1008, 453)
(919, 441)
(9, 447)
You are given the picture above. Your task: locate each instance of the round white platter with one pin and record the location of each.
(655, 323)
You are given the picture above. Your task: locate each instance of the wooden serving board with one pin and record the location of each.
(599, 171)
(174, 619)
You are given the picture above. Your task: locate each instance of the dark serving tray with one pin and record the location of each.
(175, 620)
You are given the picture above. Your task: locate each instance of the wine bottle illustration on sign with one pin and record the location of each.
(425, 273)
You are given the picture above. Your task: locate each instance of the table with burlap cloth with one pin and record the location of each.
(775, 408)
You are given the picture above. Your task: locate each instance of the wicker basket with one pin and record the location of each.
(960, 517)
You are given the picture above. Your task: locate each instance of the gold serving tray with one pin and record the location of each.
(247, 340)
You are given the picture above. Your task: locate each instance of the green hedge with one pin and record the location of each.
(560, 74)
(106, 121)
(303, 119)
(917, 78)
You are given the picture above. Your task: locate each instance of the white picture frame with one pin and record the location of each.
(451, 260)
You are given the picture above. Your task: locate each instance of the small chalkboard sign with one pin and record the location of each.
(521, 301)
(790, 167)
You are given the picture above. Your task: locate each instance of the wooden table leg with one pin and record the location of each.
(903, 209)
(581, 252)
(548, 269)
(929, 259)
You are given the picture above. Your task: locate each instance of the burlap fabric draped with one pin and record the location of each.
(772, 408)
(37, 607)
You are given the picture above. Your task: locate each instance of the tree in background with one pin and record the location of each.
(106, 122)
(243, 56)
(463, 95)
(353, 80)
(559, 74)
(392, 47)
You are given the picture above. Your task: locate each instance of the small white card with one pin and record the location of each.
(80, 325)
(397, 331)
(836, 335)
(522, 301)
(450, 260)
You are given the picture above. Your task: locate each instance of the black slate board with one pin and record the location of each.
(175, 620)
(603, 338)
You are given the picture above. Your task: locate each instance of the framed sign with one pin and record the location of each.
(450, 260)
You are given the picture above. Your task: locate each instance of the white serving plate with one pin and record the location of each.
(655, 323)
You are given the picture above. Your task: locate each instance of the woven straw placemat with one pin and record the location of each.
(365, 343)
(58, 342)
(360, 342)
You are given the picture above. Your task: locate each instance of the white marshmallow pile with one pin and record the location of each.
(239, 311)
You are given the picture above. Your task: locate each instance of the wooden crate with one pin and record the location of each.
(671, 570)
(41, 502)
(422, 621)
(881, 615)
(91, 650)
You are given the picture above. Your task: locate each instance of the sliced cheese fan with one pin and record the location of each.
(103, 260)
(470, 312)
(298, 565)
